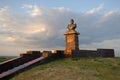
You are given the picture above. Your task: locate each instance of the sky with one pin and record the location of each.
(40, 24)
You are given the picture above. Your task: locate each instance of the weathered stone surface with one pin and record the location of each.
(72, 42)
(93, 53)
(24, 54)
(71, 38)
(106, 52)
(33, 52)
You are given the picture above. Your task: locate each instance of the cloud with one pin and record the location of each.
(110, 13)
(95, 10)
(62, 9)
(36, 11)
(10, 39)
(34, 29)
(4, 16)
(33, 10)
(43, 29)
(27, 6)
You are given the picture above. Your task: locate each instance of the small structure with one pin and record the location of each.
(71, 38)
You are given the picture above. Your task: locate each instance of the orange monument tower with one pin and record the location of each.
(71, 38)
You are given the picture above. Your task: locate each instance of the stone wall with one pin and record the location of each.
(106, 52)
(24, 57)
(84, 53)
(93, 53)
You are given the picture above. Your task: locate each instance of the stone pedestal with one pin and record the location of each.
(72, 41)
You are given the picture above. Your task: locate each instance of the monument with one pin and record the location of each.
(71, 38)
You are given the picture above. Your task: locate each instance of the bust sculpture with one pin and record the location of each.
(71, 26)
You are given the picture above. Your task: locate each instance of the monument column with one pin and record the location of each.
(71, 38)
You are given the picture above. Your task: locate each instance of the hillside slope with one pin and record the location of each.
(69, 69)
(4, 59)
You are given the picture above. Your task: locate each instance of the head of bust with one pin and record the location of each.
(71, 21)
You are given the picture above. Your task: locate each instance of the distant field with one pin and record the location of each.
(78, 69)
(4, 59)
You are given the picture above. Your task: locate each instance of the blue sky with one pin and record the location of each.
(40, 24)
(78, 5)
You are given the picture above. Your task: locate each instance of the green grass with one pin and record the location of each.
(4, 59)
(77, 69)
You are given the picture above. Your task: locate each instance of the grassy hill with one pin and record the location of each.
(4, 59)
(79, 69)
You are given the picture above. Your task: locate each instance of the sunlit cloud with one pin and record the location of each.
(34, 30)
(10, 39)
(110, 13)
(4, 17)
(95, 10)
(36, 11)
(33, 10)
